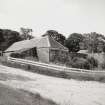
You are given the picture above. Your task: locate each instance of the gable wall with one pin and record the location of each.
(43, 54)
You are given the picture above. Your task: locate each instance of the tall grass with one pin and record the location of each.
(62, 74)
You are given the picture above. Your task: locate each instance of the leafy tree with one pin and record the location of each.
(26, 33)
(57, 36)
(1, 36)
(9, 37)
(94, 42)
(73, 42)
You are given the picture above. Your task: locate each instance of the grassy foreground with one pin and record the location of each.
(11, 96)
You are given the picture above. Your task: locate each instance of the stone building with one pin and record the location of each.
(45, 49)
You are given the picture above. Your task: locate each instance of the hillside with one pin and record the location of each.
(62, 91)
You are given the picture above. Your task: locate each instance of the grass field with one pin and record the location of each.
(61, 91)
(11, 96)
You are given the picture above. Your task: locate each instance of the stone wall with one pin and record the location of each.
(58, 56)
(43, 54)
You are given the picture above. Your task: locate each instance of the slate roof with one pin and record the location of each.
(43, 42)
(48, 41)
(55, 44)
(23, 45)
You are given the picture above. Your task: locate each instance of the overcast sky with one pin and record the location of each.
(65, 16)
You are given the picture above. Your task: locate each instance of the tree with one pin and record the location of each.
(15, 37)
(9, 37)
(73, 41)
(94, 42)
(57, 36)
(1, 36)
(26, 33)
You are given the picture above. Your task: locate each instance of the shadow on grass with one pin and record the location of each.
(11, 96)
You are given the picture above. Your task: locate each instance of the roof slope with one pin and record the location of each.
(48, 41)
(55, 44)
(43, 42)
(23, 45)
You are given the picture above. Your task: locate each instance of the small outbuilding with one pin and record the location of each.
(82, 53)
(45, 49)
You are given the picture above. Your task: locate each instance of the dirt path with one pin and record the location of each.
(63, 91)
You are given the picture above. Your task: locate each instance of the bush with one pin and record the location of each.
(17, 55)
(82, 63)
(78, 63)
(93, 63)
(103, 65)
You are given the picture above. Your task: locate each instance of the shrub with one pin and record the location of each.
(103, 65)
(78, 62)
(17, 55)
(82, 63)
(63, 74)
(93, 63)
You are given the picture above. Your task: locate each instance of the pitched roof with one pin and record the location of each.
(48, 41)
(55, 44)
(43, 42)
(23, 45)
